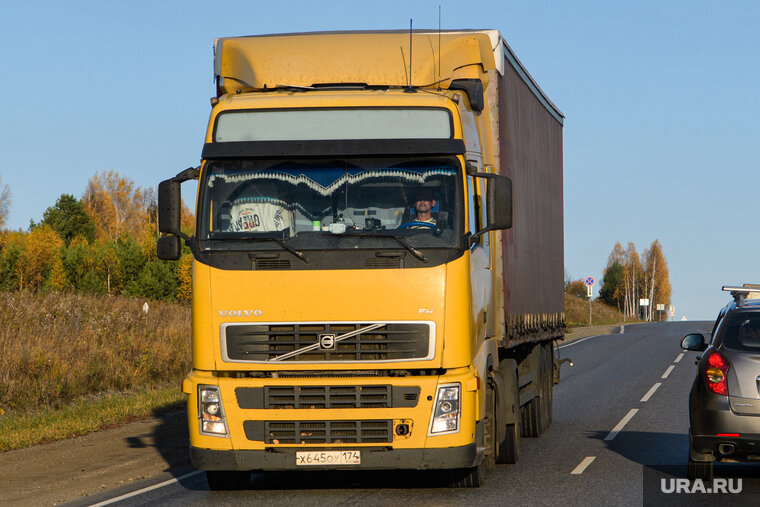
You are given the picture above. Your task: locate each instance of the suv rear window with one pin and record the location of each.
(743, 332)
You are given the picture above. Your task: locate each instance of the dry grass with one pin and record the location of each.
(576, 312)
(56, 348)
(85, 415)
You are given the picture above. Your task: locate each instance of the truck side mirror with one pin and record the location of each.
(169, 207)
(499, 201)
(170, 215)
(168, 248)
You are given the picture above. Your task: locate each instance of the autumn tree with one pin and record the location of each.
(656, 279)
(42, 249)
(577, 289)
(5, 202)
(632, 275)
(116, 205)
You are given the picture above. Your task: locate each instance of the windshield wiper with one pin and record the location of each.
(401, 241)
(237, 236)
(289, 248)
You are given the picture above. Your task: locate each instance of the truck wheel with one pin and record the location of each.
(228, 480)
(530, 415)
(490, 435)
(469, 477)
(548, 383)
(509, 449)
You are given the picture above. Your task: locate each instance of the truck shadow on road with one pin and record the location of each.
(170, 440)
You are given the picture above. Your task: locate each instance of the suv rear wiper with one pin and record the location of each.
(401, 241)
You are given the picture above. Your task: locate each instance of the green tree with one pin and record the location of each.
(157, 280)
(130, 258)
(78, 259)
(69, 219)
(610, 293)
(13, 247)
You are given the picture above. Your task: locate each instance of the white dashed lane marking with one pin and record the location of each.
(667, 372)
(583, 465)
(621, 424)
(650, 392)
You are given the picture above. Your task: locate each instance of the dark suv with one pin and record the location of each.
(724, 404)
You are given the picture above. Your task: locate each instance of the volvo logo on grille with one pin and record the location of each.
(327, 341)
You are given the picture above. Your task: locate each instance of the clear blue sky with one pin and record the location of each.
(661, 104)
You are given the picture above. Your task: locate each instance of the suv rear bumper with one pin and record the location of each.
(371, 459)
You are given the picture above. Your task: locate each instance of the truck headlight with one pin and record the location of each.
(211, 411)
(446, 410)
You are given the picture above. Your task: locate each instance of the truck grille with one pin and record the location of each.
(320, 432)
(265, 342)
(331, 397)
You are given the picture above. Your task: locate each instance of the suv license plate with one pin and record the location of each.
(306, 458)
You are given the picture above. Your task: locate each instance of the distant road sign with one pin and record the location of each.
(660, 307)
(589, 292)
(589, 281)
(643, 302)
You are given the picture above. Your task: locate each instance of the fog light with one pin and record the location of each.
(211, 411)
(445, 416)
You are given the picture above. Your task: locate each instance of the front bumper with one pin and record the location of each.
(371, 459)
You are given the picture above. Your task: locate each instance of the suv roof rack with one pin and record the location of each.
(746, 291)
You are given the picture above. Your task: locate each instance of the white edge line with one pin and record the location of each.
(145, 490)
(578, 341)
(667, 372)
(678, 359)
(650, 392)
(583, 465)
(621, 424)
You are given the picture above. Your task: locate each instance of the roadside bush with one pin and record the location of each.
(57, 347)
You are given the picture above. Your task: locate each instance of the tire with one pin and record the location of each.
(469, 477)
(534, 413)
(228, 480)
(530, 416)
(700, 470)
(509, 449)
(548, 384)
(490, 434)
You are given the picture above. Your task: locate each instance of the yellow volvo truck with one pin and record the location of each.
(378, 256)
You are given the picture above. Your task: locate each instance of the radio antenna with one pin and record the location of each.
(410, 53)
(403, 59)
(439, 47)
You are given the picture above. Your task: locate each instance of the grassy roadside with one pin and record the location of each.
(85, 415)
(576, 313)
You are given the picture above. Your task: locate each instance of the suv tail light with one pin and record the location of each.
(715, 373)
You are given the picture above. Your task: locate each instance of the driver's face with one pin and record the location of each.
(424, 203)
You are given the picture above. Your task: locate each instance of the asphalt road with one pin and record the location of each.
(620, 415)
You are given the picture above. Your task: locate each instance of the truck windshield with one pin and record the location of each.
(331, 204)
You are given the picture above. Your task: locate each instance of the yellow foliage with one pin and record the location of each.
(42, 249)
(185, 277)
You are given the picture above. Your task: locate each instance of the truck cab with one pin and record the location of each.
(348, 283)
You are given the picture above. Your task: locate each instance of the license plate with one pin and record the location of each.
(307, 458)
